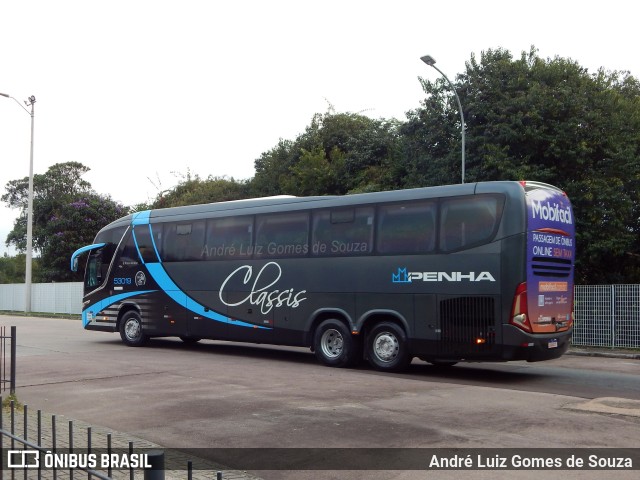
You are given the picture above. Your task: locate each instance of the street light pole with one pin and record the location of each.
(30, 102)
(429, 60)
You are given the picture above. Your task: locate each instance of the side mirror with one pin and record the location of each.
(74, 264)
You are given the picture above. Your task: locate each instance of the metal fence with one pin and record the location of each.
(607, 316)
(8, 349)
(34, 447)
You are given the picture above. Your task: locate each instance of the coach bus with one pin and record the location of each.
(470, 272)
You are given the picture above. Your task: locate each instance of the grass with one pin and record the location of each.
(6, 403)
(69, 316)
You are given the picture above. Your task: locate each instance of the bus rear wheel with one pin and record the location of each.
(387, 348)
(334, 345)
(131, 330)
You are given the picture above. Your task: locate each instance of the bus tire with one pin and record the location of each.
(131, 329)
(387, 348)
(334, 345)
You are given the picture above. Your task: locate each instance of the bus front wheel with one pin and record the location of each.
(387, 349)
(131, 330)
(334, 345)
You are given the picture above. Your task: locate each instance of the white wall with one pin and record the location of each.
(45, 297)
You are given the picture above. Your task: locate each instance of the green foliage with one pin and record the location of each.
(67, 214)
(12, 269)
(544, 120)
(193, 190)
(74, 224)
(337, 154)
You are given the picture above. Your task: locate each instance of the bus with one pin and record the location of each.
(470, 272)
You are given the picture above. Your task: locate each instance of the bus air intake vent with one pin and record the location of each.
(467, 324)
(551, 267)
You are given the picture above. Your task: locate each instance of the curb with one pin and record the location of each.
(611, 354)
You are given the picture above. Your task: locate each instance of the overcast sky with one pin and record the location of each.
(143, 91)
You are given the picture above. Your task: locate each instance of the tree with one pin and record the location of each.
(545, 120)
(338, 153)
(74, 224)
(67, 214)
(192, 190)
(12, 268)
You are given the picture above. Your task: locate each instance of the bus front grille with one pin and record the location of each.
(467, 325)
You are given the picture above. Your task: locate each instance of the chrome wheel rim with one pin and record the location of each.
(332, 343)
(386, 347)
(132, 329)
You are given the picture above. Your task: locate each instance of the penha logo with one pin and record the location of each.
(401, 277)
(404, 276)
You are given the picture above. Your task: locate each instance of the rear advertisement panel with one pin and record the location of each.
(550, 259)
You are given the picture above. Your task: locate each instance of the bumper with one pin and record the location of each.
(519, 345)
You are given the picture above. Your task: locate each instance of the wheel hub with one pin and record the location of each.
(386, 346)
(132, 329)
(332, 343)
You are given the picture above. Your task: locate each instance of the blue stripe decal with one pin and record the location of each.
(153, 242)
(162, 278)
(106, 302)
(159, 274)
(141, 218)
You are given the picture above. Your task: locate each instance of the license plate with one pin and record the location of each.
(553, 343)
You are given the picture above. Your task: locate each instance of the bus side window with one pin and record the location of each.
(128, 255)
(93, 277)
(470, 221)
(407, 228)
(342, 232)
(183, 241)
(228, 238)
(98, 265)
(282, 235)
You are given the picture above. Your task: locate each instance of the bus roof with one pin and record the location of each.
(291, 203)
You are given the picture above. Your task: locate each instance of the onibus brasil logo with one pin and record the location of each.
(405, 276)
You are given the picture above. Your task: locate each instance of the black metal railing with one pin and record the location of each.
(8, 374)
(34, 448)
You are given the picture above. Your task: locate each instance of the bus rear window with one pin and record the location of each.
(469, 221)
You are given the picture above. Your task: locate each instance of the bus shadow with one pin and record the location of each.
(245, 350)
(480, 374)
(474, 373)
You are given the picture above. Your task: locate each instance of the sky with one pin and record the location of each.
(145, 92)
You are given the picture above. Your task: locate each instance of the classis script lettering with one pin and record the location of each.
(262, 293)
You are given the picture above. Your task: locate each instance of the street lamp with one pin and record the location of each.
(30, 102)
(429, 60)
